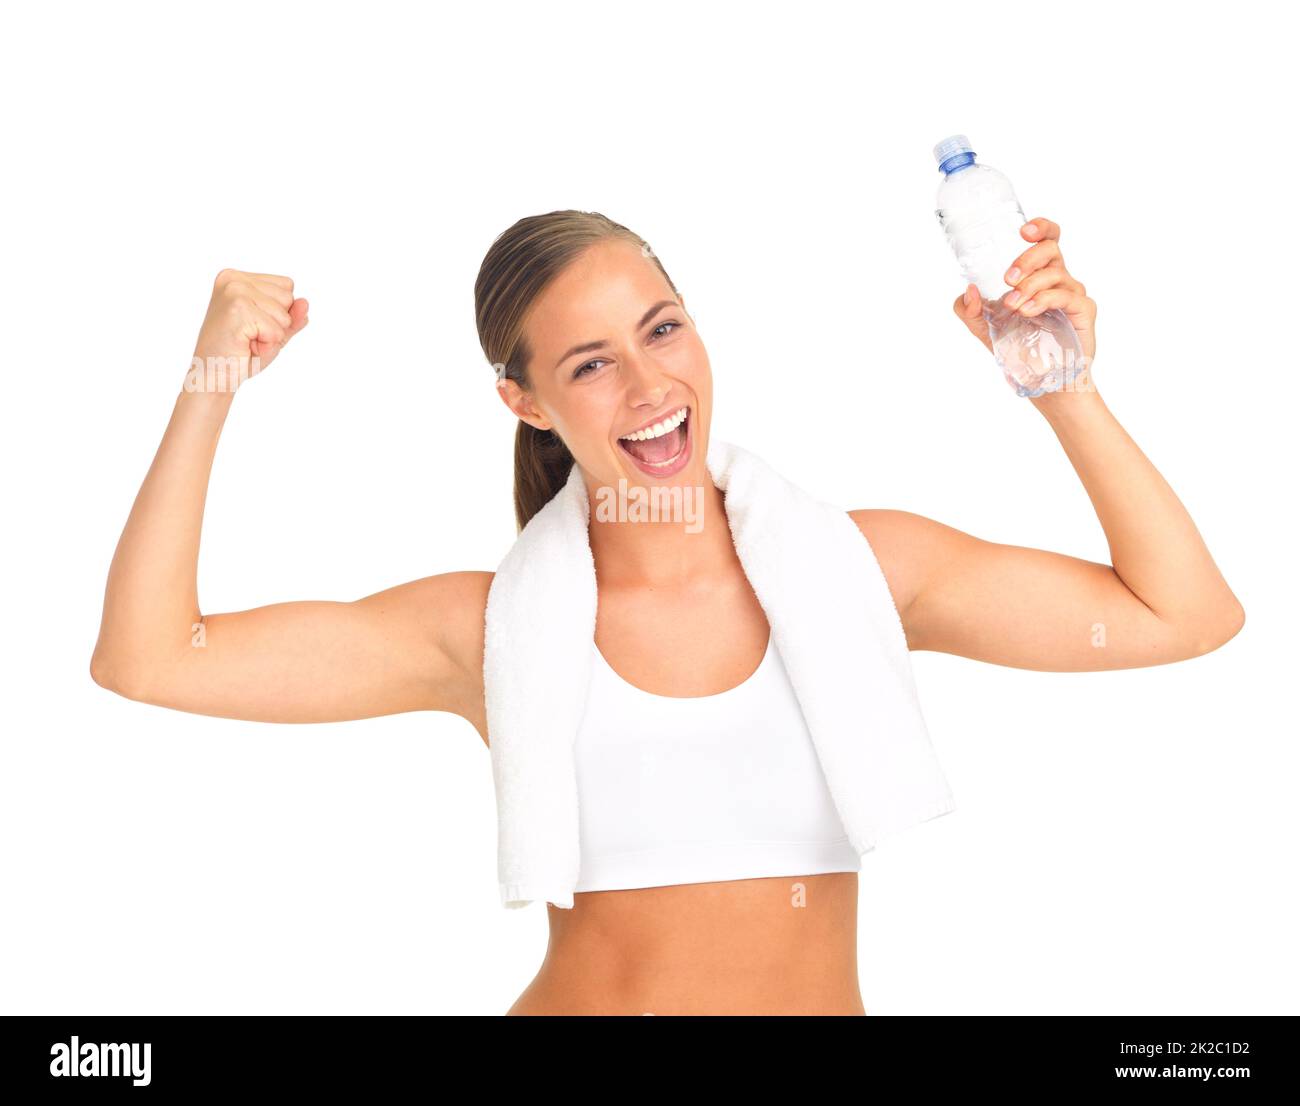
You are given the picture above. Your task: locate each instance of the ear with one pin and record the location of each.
(521, 404)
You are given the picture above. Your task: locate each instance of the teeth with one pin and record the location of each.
(658, 430)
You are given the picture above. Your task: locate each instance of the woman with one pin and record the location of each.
(592, 344)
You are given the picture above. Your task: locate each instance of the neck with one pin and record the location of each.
(690, 541)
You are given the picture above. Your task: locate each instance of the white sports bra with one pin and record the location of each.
(704, 788)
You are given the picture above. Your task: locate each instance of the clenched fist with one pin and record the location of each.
(250, 319)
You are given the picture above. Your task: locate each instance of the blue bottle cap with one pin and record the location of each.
(953, 151)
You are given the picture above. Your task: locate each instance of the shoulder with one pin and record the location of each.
(446, 598)
(443, 617)
(908, 548)
(444, 613)
(457, 603)
(463, 626)
(890, 531)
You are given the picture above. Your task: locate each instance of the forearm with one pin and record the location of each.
(151, 599)
(1155, 546)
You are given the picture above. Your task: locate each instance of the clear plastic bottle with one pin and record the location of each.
(981, 216)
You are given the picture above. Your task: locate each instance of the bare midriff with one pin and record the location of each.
(779, 945)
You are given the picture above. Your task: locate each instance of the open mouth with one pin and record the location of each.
(665, 448)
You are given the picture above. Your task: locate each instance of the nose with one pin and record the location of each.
(646, 385)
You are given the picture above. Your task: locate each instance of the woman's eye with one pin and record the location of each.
(584, 370)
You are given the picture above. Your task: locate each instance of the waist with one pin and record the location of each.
(714, 861)
(777, 945)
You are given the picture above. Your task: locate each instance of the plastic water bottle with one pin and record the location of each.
(981, 216)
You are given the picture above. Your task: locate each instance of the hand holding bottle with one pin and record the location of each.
(1039, 277)
(1017, 293)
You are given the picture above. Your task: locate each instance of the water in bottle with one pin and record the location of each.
(981, 217)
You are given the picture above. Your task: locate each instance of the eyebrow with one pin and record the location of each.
(588, 347)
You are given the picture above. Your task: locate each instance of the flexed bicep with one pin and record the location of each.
(1015, 605)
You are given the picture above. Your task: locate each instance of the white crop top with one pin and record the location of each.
(704, 788)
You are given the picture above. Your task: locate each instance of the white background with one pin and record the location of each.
(1125, 841)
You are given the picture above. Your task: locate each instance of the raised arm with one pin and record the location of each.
(1161, 599)
(412, 647)
(1033, 608)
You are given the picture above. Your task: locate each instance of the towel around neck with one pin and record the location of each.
(832, 618)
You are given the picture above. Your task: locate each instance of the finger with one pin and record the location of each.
(272, 292)
(1039, 230)
(968, 305)
(279, 281)
(272, 309)
(1036, 257)
(298, 318)
(1071, 302)
(969, 308)
(1032, 286)
(270, 297)
(258, 326)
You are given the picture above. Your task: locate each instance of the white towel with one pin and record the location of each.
(832, 618)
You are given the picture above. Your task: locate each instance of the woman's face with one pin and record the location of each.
(613, 352)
